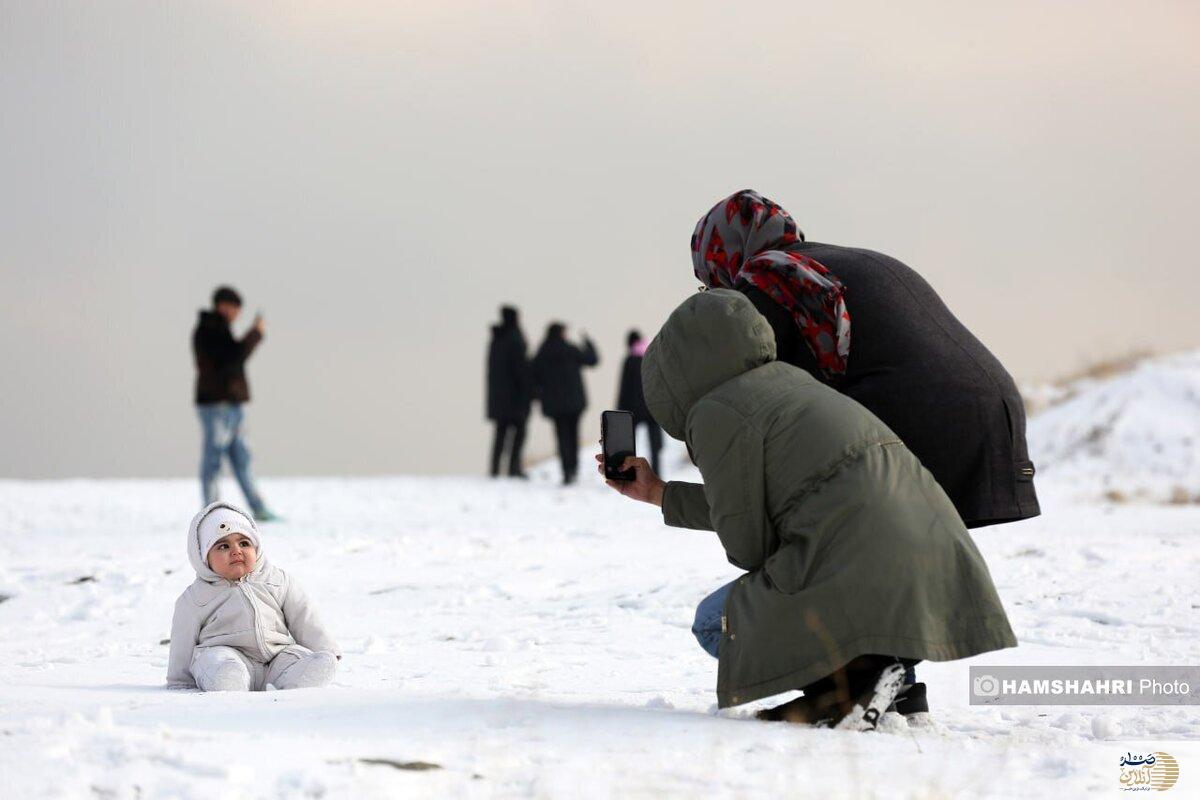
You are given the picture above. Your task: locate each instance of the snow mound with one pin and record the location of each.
(1128, 437)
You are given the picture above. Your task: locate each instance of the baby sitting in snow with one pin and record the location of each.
(243, 625)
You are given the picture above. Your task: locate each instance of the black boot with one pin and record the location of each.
(853, 698)
(913, 704)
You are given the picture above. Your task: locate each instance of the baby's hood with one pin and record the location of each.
(213, 522)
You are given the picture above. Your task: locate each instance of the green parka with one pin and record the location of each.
(850, 546)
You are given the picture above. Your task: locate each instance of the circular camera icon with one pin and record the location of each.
(986, 686)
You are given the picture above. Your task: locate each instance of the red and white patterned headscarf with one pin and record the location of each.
(746, 238)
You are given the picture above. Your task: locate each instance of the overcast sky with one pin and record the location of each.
(379, 177)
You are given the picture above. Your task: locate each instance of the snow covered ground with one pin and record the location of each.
(1131, 437)
(523, 640)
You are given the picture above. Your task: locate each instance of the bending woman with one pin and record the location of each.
(857, 565)
(910, 361)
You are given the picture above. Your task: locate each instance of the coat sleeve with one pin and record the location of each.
(729, 452)
(528, 386)
(185, 632)
(587, 355)
(303, 623)
(225, 352)
(522, 374)
(625, 393)
(685, 506)
(246, 346)
(537, 376)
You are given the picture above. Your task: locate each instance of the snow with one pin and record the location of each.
(509, 639)
(1134, 436)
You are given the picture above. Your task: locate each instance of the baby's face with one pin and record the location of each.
(233, 557)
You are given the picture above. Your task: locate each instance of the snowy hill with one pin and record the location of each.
(1131, 436)
(509, 639)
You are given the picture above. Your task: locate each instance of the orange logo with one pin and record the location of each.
(1140, 773)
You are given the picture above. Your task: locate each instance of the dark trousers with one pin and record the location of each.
(655, 442)
(506, 429)
(566, 429)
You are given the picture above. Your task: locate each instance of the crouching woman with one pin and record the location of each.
(857, 564)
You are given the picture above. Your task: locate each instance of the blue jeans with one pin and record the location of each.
(222, 426)
(707, 627)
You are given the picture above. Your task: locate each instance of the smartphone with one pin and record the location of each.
(616, 437)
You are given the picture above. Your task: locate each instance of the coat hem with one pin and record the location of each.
(1003, 517)
(998, 637)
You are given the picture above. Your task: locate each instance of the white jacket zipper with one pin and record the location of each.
(255, 616)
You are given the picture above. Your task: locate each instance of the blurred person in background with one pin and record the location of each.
(558, 382)
(631, 399)
(509, 391)
(221, 391)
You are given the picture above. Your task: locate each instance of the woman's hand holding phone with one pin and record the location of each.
(647, 486)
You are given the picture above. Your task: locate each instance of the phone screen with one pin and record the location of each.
(617, 431)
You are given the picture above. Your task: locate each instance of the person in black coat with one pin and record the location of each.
(221, 391)
(910, 361)
(631, 399)
(509, 391)
(558, 382)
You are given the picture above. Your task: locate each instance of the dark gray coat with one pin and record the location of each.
(851, 546)
(927, 377)
(509, 375)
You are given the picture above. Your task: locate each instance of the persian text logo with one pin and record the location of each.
(986, 686)
(1141, 773)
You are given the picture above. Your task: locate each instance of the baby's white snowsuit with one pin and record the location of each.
(245, 634)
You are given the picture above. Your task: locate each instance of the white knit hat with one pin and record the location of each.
(219, 523)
